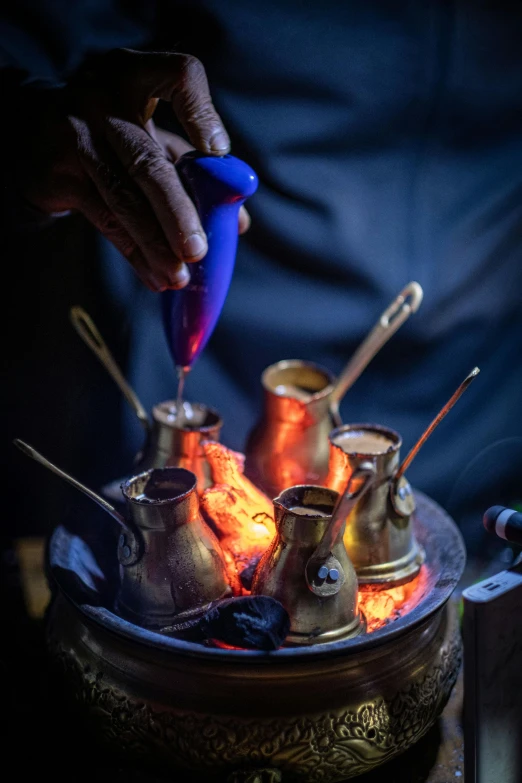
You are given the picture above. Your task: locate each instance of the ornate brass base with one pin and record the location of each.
(314, 714)
(310, 720)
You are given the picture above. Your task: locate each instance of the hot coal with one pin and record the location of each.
(247, 574)
(252, 622)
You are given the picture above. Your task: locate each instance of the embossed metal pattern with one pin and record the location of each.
(320, 714)
(319, 747)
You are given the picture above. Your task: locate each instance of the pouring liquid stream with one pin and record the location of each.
(180, 406)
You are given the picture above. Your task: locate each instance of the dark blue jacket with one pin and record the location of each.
(388, 141)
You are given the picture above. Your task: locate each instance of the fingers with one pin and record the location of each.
(173, 148)
(126, 202)
(147, 166)
(244, 221)
(181, 80)
(96, 211)
(193, 106)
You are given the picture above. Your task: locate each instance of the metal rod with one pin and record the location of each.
(345, 502)
(30, 452)
(435, 423)
(90, 335)
(407, 302)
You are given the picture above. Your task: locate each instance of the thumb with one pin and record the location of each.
(181, 80)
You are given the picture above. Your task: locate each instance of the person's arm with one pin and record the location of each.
(91, 146)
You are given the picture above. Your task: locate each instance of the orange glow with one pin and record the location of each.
(242, 517)
(241, 514)
(383, 606)
(223, 646)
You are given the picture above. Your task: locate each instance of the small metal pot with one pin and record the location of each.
(379, 536)
(171, 440)
(172, 445)
(289, 444)
(172, 566)
(309, 714)
(303, 516)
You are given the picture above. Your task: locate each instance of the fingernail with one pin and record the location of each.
(219, 142)
(181, 278)
(194, 246)
(155, 284)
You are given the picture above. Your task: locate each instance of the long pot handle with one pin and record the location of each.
(435, 423)
(86, 328)
(397, 312)
(359, 482)
(30, 452)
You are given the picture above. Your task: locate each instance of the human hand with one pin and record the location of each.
(92, 147)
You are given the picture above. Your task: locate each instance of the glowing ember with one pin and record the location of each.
(381, 607)
(242, 517)
(241, 514)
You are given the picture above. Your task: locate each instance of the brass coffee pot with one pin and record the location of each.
(289, 445)
(172, 443)
(174, 437)
(379, 534)
(307, 568)
(379, 539)
(171, 564)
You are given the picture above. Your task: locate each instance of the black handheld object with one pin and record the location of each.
(492, 635)
(256, 622)
(505, 523)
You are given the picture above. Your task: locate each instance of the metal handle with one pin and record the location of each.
(407, 302)
(365, 473)
(90, 335)
(30, 452)
(435, 423)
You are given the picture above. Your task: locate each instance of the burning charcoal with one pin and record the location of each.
(247, 574)
(224, 463)
(227, 471)
(254, 622)
(239, 513)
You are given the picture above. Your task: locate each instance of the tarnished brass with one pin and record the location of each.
(173, 439)
(172, 445)
(436, 421)
(322, 606)
(407, 302)
(311, 721)
(88, 331)
(379, 538)
(320, 578)
(29, 451)
(289, 445)
(182, 569)
(171, 564)
(307, 715)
